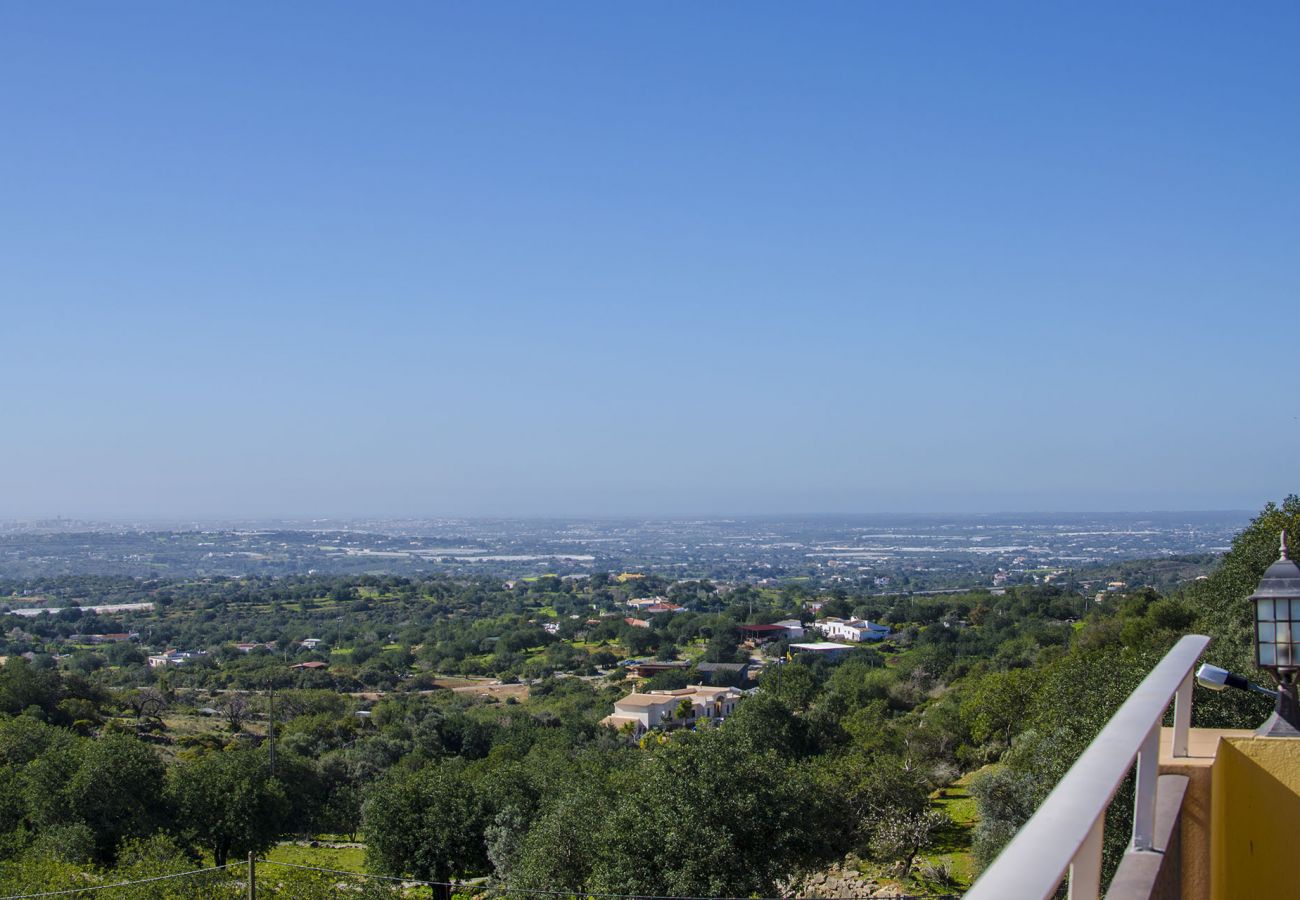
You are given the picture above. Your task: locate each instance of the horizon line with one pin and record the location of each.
(631, 516)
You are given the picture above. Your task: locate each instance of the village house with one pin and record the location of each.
(174, 658)
(710, 672)
(656, 608)
(828, 649)
(663, 709)
(651, 668)
(856, 630)
(794, 629)
(641, 602)
(762, 633)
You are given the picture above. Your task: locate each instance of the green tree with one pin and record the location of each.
(24, 686)
(118, 792)
(428, 824)
(994, 709)
(228, 802)
(794, 683)
(687, 825)
(1224, 614)
(558, 852)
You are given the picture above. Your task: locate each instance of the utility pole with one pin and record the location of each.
(270, 728)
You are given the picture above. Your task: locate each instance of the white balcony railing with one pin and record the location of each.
(1066, 831)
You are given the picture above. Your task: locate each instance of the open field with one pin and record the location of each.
(348, 857)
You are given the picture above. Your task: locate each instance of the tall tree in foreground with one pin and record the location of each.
(428, 824)
(228, 803)
(708, 817)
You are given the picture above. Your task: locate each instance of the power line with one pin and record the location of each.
(587, 895)
(495, 889)
(272, 862)
(105, 887)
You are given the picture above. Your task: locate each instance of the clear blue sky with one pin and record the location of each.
(524, 258)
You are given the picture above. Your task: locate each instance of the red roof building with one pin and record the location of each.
(762, 632)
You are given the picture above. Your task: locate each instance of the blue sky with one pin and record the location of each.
(521, 258)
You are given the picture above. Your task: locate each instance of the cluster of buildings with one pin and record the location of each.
(651, 606)
(174, 657)
(640, 712)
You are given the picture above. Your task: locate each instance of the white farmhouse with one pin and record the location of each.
(856, 630)
(654, 709)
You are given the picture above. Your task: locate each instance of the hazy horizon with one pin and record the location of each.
(247, 521)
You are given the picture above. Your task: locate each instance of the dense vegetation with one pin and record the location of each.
(108, 765)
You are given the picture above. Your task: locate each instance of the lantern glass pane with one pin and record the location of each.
(1264, 610)
(1284, 632)
(1267, 656)
(1283, 654)
(1267, 632)
(1295, 610)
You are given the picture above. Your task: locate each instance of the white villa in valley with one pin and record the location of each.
(856, 630)
(174, 658)
(655, 709)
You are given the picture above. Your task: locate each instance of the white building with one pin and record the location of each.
(173, 658)
(822, 648)
(794, 629)
(856, 630)
(660, 708)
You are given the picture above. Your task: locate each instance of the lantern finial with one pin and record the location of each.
(1285, 554)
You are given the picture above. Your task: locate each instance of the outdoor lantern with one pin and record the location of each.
(1277, 639)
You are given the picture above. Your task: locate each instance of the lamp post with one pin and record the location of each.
(1277, 640)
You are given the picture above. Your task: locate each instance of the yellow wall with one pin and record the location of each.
(1255, 830)
(1195, 816)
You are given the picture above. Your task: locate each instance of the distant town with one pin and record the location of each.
(888, 554)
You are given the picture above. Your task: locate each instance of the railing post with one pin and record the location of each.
(1144, 799)
(1182, 715)
(1085, 868)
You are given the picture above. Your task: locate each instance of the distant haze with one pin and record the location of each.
(298, 260)
(920, 551)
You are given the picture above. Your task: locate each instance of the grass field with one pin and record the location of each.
(952, 845)
(950, 850)
(347, 859)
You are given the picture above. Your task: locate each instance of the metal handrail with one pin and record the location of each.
(1066, 831)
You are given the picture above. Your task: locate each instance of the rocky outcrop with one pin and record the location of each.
(842, 881)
